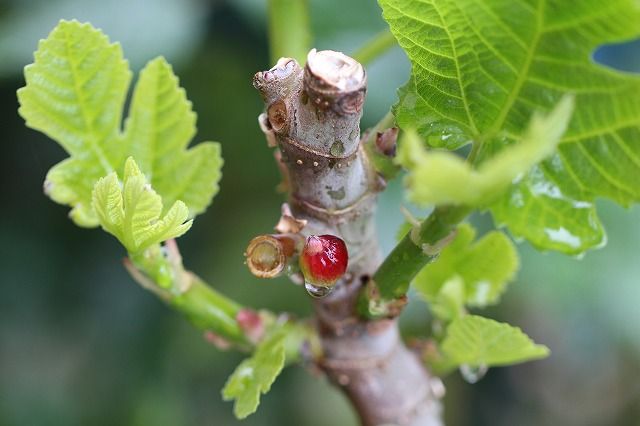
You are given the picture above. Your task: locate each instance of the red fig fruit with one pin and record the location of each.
(323, 262)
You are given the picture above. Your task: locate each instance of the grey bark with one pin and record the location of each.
(312, 117)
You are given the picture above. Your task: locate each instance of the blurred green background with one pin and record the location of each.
(82, 344)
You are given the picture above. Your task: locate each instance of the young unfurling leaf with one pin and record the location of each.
(132, 212)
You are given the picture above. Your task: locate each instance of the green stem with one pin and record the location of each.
(160, 271)
(375, 47)
(417, 248)
(209, 310)
(289, 30)
(413, 252)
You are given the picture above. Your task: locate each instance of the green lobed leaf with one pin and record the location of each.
(132, 212)
(476, 341)
(482, 269)
(75, 92)
(255, 375)
(161, 124)
(482, 67)
(439, 177)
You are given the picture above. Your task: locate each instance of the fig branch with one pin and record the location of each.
(312, 119)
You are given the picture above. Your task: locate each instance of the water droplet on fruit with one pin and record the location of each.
(317, 291)
(473, 373)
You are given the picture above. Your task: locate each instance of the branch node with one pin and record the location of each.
(216, 340)
(278, 116)
(334, 80)
(279, 81)
(269, 255)
(288, 224)
(372, 305)
(144, 281)
(386, 141)
(251, 324)
(266, 128)
(435, 248)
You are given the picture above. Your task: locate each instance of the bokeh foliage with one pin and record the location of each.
(80, 344)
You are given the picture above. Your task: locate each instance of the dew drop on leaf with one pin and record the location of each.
(316, 290)
(473, 373)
